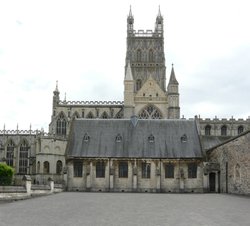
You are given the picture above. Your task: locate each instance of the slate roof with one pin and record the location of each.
(135, 141)
(209, 142)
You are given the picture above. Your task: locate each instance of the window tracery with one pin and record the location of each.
(61, 125)
(138, 84)
(23, 157)
(104, 115)
(138, 55)
(90, 115)
(10, 153)
(150, 112)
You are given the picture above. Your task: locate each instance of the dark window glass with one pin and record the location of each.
(223, 131)
(23, 158)
(138, 84)
(46, 167)
(78, 169)
(240, 129)
(123, 169)
(10, 153)
(169, 170)
(61, 125)
(208, 130)
(192, 170)
(145, 170)
(100, 169)
(59, 167)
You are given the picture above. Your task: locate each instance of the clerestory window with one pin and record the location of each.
(10, 153)
(61, 125)
(23, 157)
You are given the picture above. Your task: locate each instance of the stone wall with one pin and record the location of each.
(234, 160)
(134, 182)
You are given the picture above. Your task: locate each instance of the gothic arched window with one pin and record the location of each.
(151, 55)
(119, 114)
(10, 153)
(150, 112)
(46, 167)
(207, 130)
(23, 157)
(61, 125)
(76, 115)
(138, 84)
(90, 115)
(38, 167)
(104, 115)
(138, 55)
(224, 130)
(59, 167)
(240, 129)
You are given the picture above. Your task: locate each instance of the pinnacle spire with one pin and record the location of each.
(130, 12)
(159, 11)
(173, 79)
(128, 75)
(56, 85)
(56, 91)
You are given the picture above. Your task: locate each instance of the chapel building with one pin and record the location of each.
(139, 144)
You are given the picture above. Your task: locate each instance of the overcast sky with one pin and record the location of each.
(82, 44)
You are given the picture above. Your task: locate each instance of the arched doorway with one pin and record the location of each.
(212, 177)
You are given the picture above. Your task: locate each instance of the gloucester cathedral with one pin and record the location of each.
(139, 144)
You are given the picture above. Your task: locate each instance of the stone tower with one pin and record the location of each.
(145, 93)
(173, 96)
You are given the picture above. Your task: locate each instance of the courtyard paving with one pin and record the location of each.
(128, 209)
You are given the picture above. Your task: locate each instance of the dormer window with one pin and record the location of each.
(184, 138)
(151, 138)
(118, 138)
(86, 138)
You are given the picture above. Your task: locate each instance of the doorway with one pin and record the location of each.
(212, 182)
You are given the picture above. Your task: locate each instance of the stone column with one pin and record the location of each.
(158, 177)
(111, 175)
(134, 176)
(89, 176)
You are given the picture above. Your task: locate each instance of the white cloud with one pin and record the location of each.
(83, 45)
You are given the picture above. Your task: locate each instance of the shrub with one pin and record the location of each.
(6, 174)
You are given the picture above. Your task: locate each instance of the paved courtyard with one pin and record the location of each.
(128, 209)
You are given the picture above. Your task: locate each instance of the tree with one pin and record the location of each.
(6, 174)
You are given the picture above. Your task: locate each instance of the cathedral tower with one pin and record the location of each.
(145, 59)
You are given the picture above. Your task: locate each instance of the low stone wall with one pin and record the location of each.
(11, 193)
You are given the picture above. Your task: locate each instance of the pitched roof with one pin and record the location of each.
(229, 139)
(146, 139)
